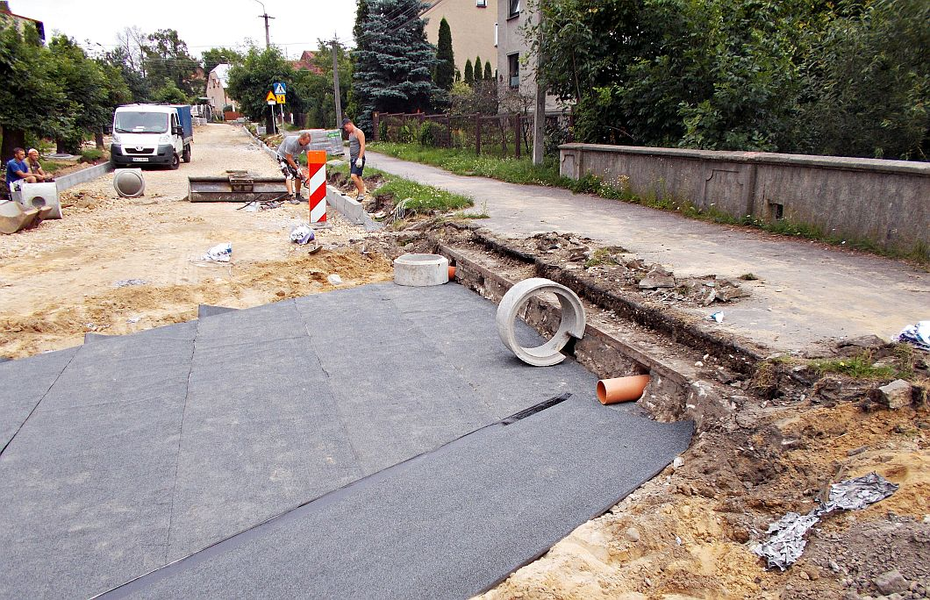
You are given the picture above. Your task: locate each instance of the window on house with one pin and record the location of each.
(495, 35)
(514, 8)
(513, 67)
(481, 3)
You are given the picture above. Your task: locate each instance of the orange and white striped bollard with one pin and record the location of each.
(316, 186)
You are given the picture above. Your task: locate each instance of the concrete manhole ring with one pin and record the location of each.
(421, 270)
(571, 326)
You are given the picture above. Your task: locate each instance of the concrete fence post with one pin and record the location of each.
(375, 126)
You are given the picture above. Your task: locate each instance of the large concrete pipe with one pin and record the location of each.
(572, 324)
(39, 195)
(129, 183)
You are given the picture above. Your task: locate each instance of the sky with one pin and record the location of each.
(202, 25)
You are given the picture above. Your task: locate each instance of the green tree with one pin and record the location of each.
(869, 78)
(167, 59)
(169, 93)
(250, 82)
(393, 62)
(29, 97)
(479, 69)
(469, 76)
(87, 102)
(445, 67)
(218, 56)
(122, 64)
(317, 88)
(488, 75)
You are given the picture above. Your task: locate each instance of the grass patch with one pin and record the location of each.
(523, 171)
(90, 155)
(601, 256)
(424, 199)
(51, 167)
(857, 367)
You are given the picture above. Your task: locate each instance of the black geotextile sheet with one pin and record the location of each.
(133, 452)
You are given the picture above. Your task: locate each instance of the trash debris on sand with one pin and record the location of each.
(130, 282)
(302, 234)
(787, 541)
(716, 317)
(218, 253)
(917, 335)
(334, 279)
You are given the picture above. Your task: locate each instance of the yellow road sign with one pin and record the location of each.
(271, 97)
(280, 99)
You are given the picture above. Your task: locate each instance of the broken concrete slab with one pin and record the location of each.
(657, 278)
(894, 395)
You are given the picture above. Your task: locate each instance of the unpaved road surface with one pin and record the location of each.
(60, 280)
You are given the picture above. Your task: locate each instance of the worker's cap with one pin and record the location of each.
(346, 121)
(31, 150)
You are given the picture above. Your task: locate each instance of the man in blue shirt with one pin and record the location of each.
(17, 171)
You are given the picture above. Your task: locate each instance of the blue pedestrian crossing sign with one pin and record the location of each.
(280, 89)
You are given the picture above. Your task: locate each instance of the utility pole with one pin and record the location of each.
(539, 115)
(336, 84)
(265, 16)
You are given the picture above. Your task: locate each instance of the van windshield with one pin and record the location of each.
(140, 122)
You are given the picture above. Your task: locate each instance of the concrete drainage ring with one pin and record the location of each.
(572, 324)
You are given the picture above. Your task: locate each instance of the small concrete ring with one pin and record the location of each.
(571, 325)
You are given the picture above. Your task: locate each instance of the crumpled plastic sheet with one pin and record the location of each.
(787, 543)
(218, 253)
(917, 335)
(860, 492)
(302, 234)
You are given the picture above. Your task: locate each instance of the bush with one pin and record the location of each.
(407, 134)
(90, 155)
(433, 134)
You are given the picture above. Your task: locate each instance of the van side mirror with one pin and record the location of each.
(176, 130)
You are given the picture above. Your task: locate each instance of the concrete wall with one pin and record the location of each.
(886, 202)
(472, 28)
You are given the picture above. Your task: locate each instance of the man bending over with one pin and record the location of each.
(288, 152)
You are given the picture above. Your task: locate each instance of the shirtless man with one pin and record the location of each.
(356, 156)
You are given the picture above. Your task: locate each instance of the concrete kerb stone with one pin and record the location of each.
(351, 209)
(83, 176)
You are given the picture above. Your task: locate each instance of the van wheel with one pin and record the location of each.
(186, 155)
(175, 161)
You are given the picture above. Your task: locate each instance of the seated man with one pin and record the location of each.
(35, 168)
(288, 152)
(17, 171)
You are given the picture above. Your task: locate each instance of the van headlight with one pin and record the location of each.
(165, 139)
(116, 139)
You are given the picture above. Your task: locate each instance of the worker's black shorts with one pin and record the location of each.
(286, 168)
(353, 170)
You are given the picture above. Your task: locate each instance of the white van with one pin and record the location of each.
(151, 134)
